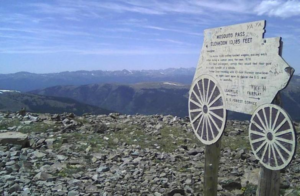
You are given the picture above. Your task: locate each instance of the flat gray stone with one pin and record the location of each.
(38, 154)
(102, 169)
(73, 193)
(42, 176)
(10, 163)
(14, 188)
(14, 138)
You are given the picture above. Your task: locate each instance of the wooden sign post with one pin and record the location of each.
(241, 71)
(212, 161)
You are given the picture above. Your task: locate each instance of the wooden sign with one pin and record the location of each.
(239, 70)
(247, 67)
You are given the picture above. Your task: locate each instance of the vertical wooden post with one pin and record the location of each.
(212, 160)
(269, 180)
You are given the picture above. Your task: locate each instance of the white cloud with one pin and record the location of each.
(149, 7)
(41, 33)
(279, 8)
(235, 6)
(174, 42)
(50, 9)
(174, 30)
(133, 51)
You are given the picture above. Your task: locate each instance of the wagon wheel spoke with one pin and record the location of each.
(207, 91)
(212, 120)
(196, 118)
(211, 130)
(199, 103)
(265, 117)
(277, 134)
(274, 155)
(196, 103)
(260, 147)
(216, 107)
(196, 110)
(265, 150)
(261, 122)
(218, 117)
(258, 133)
(279, 126)
(218, 97)
(258, 126)
(276, 118)
(200, 93)
(284, 140)
(200, 122)
(211, 93)
(279, 152)
(203, 89)
(258, 140)
(282, 147)
(270, 117)
(205, 123)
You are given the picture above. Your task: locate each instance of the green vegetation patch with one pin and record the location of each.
(249, 190)
(37, 127)
(5, 123)
(69, 170)
(234, 142)
(167, 139)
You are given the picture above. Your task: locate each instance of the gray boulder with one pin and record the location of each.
(14, 138)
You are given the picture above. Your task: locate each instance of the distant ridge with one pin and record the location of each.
(142, 98)
(155, 98)
(130, 92)
(25, 81)
(11, 101)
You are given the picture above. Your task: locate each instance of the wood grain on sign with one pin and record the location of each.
(248, 68)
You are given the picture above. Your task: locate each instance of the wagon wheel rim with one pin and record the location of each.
(207, 109)
(272, 137)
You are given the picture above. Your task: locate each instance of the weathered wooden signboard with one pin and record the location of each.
(240, 70)
(247, 67)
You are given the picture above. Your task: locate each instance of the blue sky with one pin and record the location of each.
(69, 35)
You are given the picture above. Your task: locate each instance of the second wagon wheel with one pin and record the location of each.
(272, 136)
(207, 110)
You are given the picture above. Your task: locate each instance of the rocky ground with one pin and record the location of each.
(123, 155)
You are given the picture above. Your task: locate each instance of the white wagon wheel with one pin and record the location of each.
(207, 109)
(272, 136)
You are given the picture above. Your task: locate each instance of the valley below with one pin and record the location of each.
(114, 154)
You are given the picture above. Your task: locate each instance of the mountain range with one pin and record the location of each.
(143, 98)
(25, 81)
(167, 95)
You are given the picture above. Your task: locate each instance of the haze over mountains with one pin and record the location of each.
(144, 98)
(129, 92)
(25, 81)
